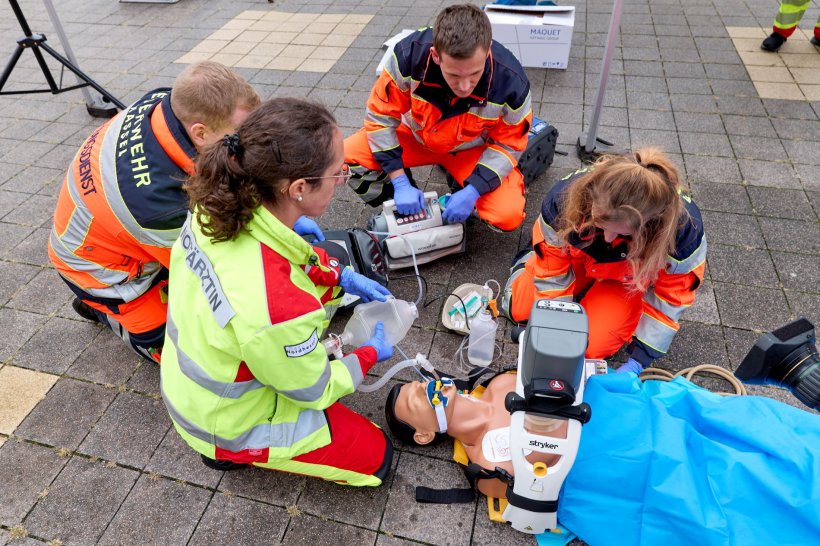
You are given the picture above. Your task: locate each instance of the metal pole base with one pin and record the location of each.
(602, 147)
(100, 107)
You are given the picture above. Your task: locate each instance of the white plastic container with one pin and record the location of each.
(397, 316)
(481, 344)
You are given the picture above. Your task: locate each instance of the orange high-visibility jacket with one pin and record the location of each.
(553, 266)
(412, 90)
(122, 206)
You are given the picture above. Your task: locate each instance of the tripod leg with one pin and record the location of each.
(15, 56)
(82, 75)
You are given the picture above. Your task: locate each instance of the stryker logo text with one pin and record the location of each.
(543, 445)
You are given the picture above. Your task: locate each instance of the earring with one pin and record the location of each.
(299, 198)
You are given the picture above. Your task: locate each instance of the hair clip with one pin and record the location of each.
(233, 144)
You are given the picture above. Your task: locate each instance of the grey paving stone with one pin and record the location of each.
(800, 151)
(693, 103)
(723, 170)
(805, 305)
(9, 200)
(696, 344)
(789, 109)
(725, 71)
(731, 88)
(704, 309)
(35, 211)
(757, 147)
(738, 344)
(107, 360)
(808, 129)
(666, 140)
(32, 250)
(43, 294)
(809, 176)
(688, 86)
(81, 502)
(721, 197)
(406, 518)
(268, 486)
(31, 179)
(749, 126)
(149, 501)
(387, 540)
(693, 122)
(768, 173)
(129, 431)
(797, 271)
(651, 119)
(304, 529)
(234, 520)
(56, 345)
(791, 235)
(746, 106)
(781, 203)
(12, 277)
(705, 144)
(25, 470)
(66, 414)
(742, 266)
(734, 300)
(18, 327)
(680, 55)
(11, 235)
(175, 459)
(732, 229)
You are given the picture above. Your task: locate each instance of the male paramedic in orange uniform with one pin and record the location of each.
(122, 205)
(449, 96)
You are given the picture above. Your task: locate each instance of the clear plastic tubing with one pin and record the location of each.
(386, 377)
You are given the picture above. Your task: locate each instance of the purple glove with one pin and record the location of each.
(359, 285)
(460, 205)
(408, 198)
(630, 365)
(306, 226)
(384, 351)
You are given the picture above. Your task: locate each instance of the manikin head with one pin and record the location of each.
(211, 101)
(410, 416)
(462, 37)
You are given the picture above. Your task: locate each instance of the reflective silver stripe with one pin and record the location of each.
(558, 282)
(353, 366)
(550, 235)
(315, 391)
(368, 184)
(201, 266)
(108, 169)
(276, 435)
(198, 375)
(381, 119)
(491, 111)
(654, 333)
(382, 140)
(499, 162)
(392, 69)
(690, 263)
(515, 115)
(674, 312)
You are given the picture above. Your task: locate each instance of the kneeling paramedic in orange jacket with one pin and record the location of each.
(624, 240)
(122, 205)
(449, 96)
(244, 376)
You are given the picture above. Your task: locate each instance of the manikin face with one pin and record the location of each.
(461, 75)
(413, 408)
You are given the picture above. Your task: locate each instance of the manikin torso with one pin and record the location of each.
(491, 405)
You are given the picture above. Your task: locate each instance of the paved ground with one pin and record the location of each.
(86, 449)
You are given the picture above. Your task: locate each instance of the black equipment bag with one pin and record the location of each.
(540, 151)
(365, 252)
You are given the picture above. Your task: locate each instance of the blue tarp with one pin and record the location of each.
(662, 464)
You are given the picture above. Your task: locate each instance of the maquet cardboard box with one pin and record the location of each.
(539, 36)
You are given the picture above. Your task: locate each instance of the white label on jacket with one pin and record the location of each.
(202, 267)
(301, 349)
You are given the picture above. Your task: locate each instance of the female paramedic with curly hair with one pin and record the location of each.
(624, 240)
(244, 377)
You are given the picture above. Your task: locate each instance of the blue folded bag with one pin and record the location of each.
(671, 463)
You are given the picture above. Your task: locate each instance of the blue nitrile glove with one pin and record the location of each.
(630, 365)
(384, 351)
(460, 205)
(359, 285)
(408, 198)
(306, 226)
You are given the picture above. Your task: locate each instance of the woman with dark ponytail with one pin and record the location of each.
(244, 377)
(623, 239)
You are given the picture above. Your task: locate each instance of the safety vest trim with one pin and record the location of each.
(199, 264)
(691, 262)
(671, 310)
(660, 334)
(195, 373)
(267, 435)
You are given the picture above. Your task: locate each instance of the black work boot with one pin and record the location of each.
(84, 310)
(773, 42)
(221, 465)
(815, 40)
